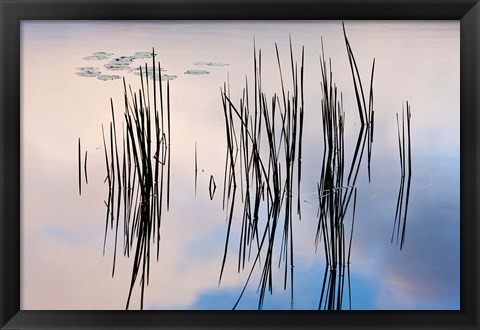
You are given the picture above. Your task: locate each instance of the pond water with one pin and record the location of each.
(71, 70)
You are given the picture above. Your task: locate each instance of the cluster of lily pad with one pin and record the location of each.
(90, 71)
(121, 63)
(124, 63)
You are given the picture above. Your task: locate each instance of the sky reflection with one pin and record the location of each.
(62, 233)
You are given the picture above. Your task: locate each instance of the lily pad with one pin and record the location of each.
(123, 59)
(117, 66)
(91, 57)
(88, 71)
(119, 63)
(210, 64)
(164, 77)
(149, 71)
(102, 54)
(168, 77)
(196, 72)
(98, 56)
(106, 77)
(87, 68)
(142, 55)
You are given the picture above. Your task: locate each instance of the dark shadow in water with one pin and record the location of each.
(138, 174)
(403, 195)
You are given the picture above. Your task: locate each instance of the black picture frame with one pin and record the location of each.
(14, 11)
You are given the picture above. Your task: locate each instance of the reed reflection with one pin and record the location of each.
(138, 174)
(405, 152)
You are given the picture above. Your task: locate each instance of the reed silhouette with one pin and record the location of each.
(268, 172)
(79, 168)
(265, 172)
(196, 169)
(138, 174)
(335, 189)
(405, 152)
(85, 168)
(262, 175)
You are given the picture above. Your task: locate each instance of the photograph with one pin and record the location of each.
(240, 165)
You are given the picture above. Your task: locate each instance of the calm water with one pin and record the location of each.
(62, 233)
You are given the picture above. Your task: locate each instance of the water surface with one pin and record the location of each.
(62, 232)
